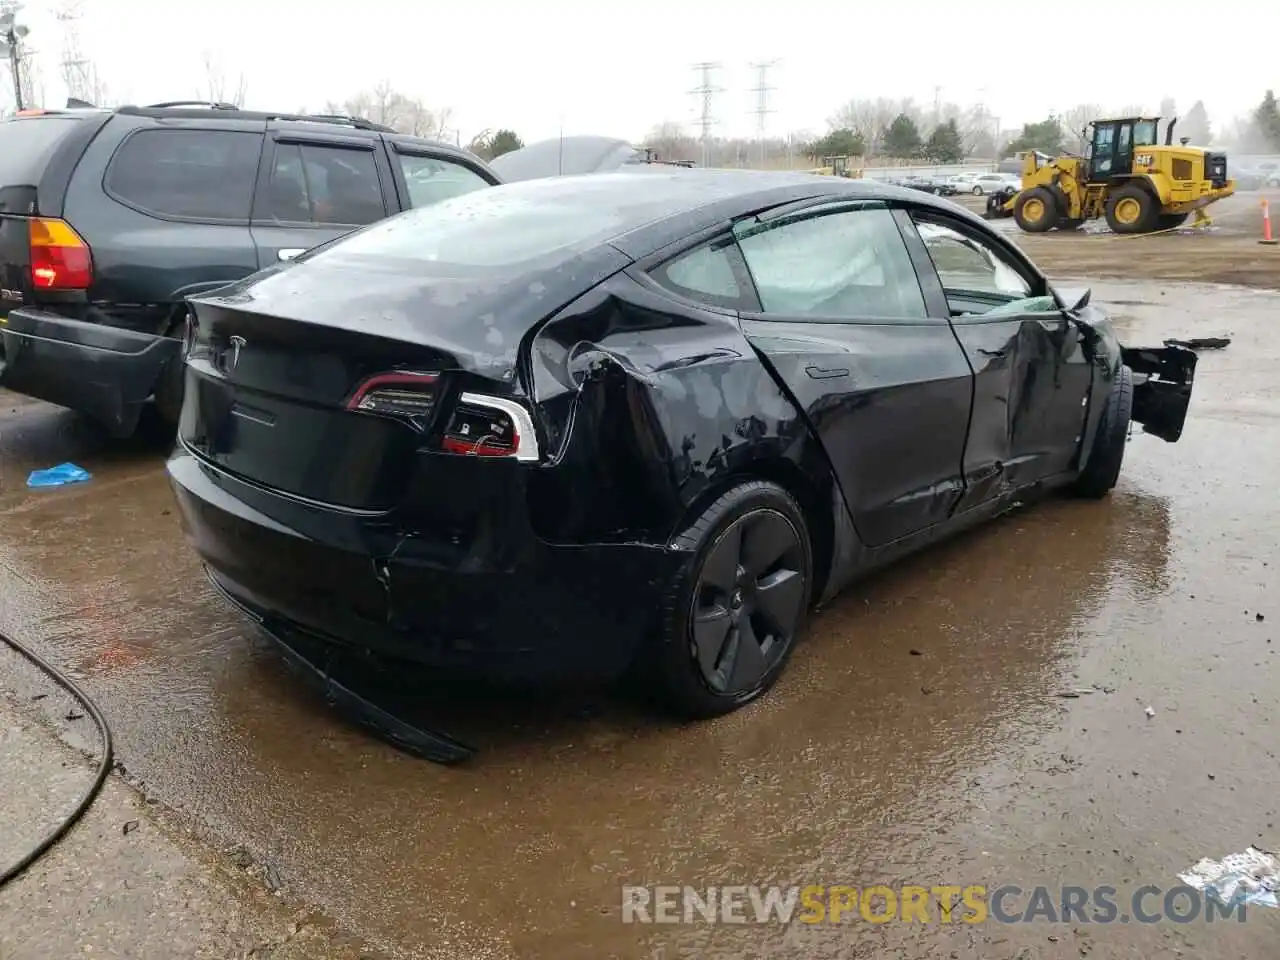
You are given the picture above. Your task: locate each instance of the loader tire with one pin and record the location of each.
(1036, 210)
(1171, 221)
(1132, 209)
(1102, 469)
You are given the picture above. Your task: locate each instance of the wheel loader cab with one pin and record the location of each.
(1112, 145)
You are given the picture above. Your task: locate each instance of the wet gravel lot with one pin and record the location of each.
(920, 736)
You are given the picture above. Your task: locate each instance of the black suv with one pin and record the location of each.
(109, 218)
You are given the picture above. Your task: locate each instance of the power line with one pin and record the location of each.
(706, 90)
(762, 91)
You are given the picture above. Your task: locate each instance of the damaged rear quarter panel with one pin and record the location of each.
(651, 408)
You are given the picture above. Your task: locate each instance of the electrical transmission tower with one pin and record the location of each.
(762, 110)
(706, 90)
(77, 73)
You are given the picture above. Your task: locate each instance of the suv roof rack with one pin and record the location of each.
(360, 123)
(209, 104)
(196, 107)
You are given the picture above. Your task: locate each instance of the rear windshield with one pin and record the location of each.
(26, 144)
(537, 220)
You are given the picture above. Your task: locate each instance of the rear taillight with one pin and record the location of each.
(60, 259)
(483, 426)
(403, 395)
(479, 426)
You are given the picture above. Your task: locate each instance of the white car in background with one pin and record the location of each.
(983, 183)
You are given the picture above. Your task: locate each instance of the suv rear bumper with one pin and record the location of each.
(106, 373)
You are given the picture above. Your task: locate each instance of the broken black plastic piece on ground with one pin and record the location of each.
(413, 740)
(1201, 343)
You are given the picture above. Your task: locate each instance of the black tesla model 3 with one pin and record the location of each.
(566, 426)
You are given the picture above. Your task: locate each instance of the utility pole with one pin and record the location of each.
(706, 91)
(12, 48)
(762, 110)
(937, 104)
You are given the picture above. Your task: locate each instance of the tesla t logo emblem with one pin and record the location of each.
(236, 344)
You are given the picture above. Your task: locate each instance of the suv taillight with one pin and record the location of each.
(479, 426)
(60, 259)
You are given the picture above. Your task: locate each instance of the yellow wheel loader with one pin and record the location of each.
(1138, 184)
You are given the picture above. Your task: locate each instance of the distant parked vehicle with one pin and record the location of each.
(938, 186)
(983, 183)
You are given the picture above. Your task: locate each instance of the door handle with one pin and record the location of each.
(290, 252)
(991, 353)
(822, 373)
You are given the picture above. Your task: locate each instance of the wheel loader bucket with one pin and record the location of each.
(1000, 204)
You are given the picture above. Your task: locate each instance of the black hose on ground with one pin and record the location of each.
(104, 763)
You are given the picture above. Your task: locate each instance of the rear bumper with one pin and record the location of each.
(520, 610)
(104, 372)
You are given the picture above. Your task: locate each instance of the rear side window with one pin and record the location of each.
(432, 179)
(324, 186)
(26, 146)
(705, 274)
(187, 174)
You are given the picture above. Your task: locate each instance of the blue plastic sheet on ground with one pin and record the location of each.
(1252, 877)
(59, 476)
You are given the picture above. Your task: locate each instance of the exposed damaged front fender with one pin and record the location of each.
(1162, 378)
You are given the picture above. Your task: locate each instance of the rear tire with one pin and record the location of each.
(977, 191)
(734, 611)
(1168, 221)
(1036, 210)
(1132, 209)
(1102, 469)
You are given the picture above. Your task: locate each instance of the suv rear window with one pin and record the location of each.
(26, 146)
(187, 174)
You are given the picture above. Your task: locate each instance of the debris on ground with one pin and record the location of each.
(1252, 877)
(130, 826)
(59, 476)
(1200, 343)
(1151, 712)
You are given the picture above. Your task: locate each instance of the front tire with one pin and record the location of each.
(734, 611)
(1036, 210)
(1132, 209)
(977, 191)
(1102, 469)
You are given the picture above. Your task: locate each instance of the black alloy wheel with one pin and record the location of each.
(748, 601)
(739, 605)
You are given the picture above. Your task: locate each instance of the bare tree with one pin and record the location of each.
(217, 89)
(670, 142)
(1074, 122)
(393, 109)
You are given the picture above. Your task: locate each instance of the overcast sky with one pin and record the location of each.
(619, 68)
